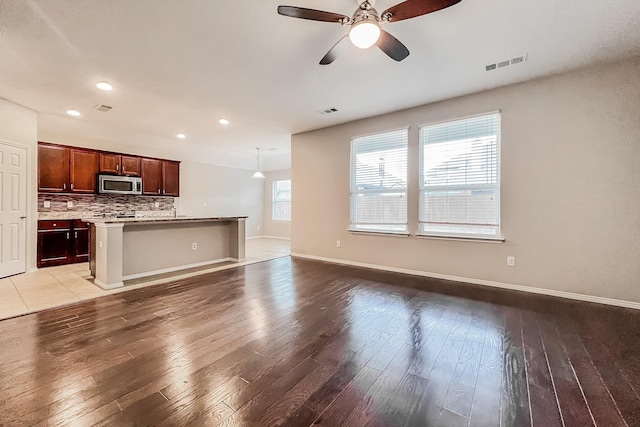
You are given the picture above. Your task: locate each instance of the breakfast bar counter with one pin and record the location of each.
(129, 248)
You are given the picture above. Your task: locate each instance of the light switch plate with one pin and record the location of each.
(69, 204)
(47, 204)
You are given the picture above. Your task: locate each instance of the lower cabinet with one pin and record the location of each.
(62, 242)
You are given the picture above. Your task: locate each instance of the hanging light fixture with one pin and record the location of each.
(258, 174)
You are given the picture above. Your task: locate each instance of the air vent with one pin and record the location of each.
(328, 110)
(103, 108)
(505, 63)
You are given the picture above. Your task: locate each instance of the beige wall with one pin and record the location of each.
(19, 125)
(274, 228)
(570, 187)
(226, 192)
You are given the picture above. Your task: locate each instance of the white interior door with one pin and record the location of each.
(13, 209)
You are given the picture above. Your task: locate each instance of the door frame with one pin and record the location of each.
(31, 222)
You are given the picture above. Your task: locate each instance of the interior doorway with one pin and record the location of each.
(13, 208)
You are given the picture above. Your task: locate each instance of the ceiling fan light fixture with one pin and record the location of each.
(365, 33)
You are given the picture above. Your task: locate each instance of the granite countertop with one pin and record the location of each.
(148, 220)
(59, 216)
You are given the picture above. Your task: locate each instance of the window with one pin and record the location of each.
(281, 202)
(460, 178)
(379, 182)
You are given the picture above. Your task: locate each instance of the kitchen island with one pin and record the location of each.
(129, 248)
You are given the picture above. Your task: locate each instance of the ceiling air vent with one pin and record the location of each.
(328, 110)
(103, 108)
(505, 63)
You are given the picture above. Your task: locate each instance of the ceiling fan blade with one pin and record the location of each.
(312, 14)
(333, 52)
(392, 46)
(412, 8)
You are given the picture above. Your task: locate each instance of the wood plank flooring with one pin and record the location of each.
(292, 342)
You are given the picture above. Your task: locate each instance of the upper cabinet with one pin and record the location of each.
(120, 164)
(63, 169)
(151, 176)
(171, 178)
(66, 170)
(83, 166)
(53, 169)
(130, 165)
(160, 177)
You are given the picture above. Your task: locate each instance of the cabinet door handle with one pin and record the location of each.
(75, 235)
(71, 186)
(117, 166)
(122, 168)
(67, 235)
(64, 186)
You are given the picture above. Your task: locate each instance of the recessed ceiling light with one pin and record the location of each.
(223, 121)
(104, 86)
(181, 135)
(73, 113)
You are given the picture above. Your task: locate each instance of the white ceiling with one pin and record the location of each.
(179, 66)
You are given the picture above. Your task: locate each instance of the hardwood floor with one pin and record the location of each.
(295, 342)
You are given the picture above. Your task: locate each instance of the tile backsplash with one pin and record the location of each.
(90, 204)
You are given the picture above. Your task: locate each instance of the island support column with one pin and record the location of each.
(237, 240)
(108, 250)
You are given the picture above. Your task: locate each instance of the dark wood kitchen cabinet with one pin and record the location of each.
(66, 170)
(151, 176)
(119, 164)
(80, 241)
(62, 242)
(160, 177)
(53, 242)
(130, 165)
(53, 168)
(171, 178)
(83, 167)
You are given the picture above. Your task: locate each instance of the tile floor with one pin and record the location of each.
(56, 286)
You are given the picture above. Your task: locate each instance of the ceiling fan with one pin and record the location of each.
(365, 23)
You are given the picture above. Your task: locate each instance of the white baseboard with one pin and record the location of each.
(503, 285)
(172, 269)
(269, 237)
(108, 286)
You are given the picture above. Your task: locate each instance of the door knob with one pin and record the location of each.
(23, 217)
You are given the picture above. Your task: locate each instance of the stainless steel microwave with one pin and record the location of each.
(116, 184)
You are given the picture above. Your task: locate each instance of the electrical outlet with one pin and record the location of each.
(338, 244)
(194, 246)
(156, 204)
(204, 205)
(100, 243)
(69, 204)
(511, 261)
(47, 204)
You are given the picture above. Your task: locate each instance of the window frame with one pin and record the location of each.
(352, 191)
(274, 183)
(421, 186)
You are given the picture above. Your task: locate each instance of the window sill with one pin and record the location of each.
(462, 239)
(380, 233)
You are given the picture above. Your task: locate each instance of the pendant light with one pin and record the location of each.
(258, 174)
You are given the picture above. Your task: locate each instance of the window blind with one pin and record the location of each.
(460, 185)
(281, 203)
(379, 182)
